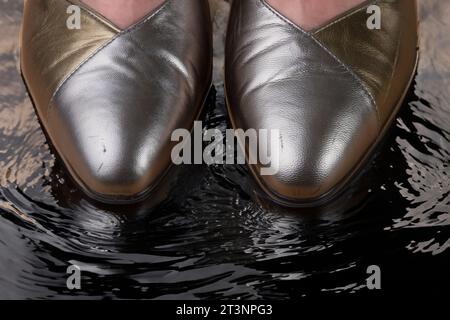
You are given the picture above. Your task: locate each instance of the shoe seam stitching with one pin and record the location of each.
(348, 68)
(119, 34)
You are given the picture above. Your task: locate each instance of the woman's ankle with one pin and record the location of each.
(124, 13)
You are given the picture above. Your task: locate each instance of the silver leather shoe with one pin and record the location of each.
(331, 92)
(109, 99)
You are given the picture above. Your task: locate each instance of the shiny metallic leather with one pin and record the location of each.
(111, 120)
(279, 76)
(383, 59)
(50, 51)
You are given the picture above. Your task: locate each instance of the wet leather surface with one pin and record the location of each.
(277, 77)
(112, 120)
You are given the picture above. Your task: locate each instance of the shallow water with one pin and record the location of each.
(211, 237)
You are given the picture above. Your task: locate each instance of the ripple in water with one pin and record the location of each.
(211, 236)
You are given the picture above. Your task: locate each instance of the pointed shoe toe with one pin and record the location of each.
(331, 93)
(110, 99)
(113, 156)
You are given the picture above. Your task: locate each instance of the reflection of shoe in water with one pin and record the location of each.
(109, 99)
(331, 92)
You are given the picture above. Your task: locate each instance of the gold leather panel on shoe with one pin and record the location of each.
(383, 59)
(50, 51)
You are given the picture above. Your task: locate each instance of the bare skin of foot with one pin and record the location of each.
(311, 14)
(308, 14)
(124, 13)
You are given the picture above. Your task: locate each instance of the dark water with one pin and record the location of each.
(211, 237)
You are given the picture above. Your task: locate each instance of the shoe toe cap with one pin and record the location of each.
(314, 161)
(112, 155)
(324, 135)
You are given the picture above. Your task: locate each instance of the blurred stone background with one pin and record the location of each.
(220, 10)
